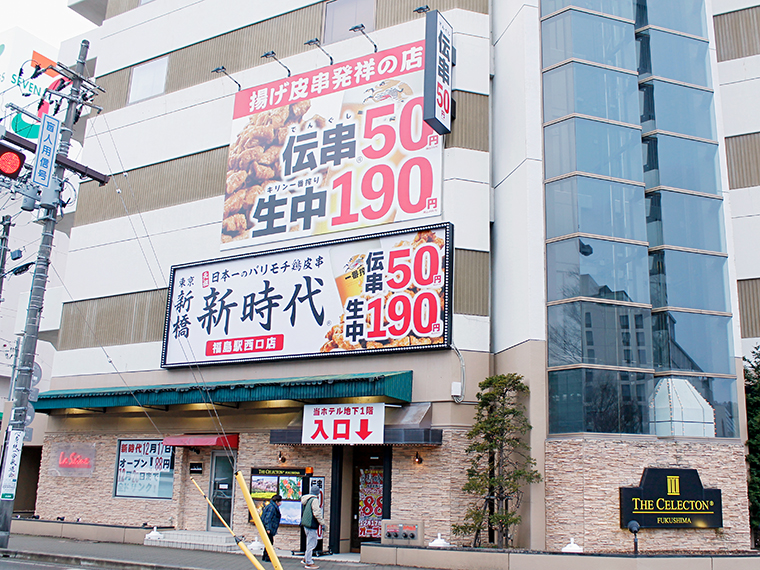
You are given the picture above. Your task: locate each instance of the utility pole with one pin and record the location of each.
(6, 223)
(49, 203)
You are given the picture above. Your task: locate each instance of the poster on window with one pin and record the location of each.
(288, 483)
(386, 292)
(144, 469)
(337, 148)
(370, 502)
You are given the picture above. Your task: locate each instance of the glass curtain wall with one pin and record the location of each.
(601, 376)
(695, 382)
(639, 323)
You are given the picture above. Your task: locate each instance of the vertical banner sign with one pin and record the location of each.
(11, 464)
(47, 147)
(343, 424)
(334, 149)
(377, 293)
(439, 61)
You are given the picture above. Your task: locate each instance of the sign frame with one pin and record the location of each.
(447, 311)
(369, 418)
(671, 498)
(47, 151)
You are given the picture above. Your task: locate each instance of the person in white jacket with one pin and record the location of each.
(311, 518)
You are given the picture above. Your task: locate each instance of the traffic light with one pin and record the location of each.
(11, 161)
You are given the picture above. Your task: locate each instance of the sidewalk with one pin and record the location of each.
(137, 557)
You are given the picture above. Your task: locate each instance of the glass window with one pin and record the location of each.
(694, 407)
(148, 80)
(591, 38)
(689, 280)
(690, 341)
(341, 15)
(677, 109)
(685, 221)
(593, 206)
(567, 335)
(686, 16)
(590, 146)
(681, 163)
(608, 401)
(144, 469)
(611, 7)
(674, 57)
(599, 401)
(589, 90)
(597, 268)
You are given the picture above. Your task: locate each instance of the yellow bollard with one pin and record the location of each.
(257, 520)
(240, 543)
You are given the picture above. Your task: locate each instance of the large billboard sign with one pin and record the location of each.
(379, 293)
(334, 149)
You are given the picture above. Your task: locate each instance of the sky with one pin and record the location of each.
(50, 20)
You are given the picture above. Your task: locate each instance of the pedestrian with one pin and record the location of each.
(270, 518)
(311, 518)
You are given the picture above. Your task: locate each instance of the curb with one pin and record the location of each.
(84, 562)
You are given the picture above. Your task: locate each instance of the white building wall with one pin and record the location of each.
(738, 113)
(518, 283)
(135, 252)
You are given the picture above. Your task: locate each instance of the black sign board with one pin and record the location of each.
(280, 471)
(671, 498)
(196, 468)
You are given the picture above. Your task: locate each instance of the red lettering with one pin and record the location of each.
(73, 461)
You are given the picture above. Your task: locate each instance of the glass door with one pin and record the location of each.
(220, 493)
(367, 496)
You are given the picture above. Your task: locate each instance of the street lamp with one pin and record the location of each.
(634, 527)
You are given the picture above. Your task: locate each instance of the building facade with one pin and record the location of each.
(571, 227)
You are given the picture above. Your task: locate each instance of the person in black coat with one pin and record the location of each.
(270, 518)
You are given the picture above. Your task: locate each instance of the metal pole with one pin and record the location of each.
(6, 223)
(34, 310)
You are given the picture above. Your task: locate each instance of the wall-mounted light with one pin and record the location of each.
(272, 55)
(221, 69)
(316, 42)
(422, 9)
(417, 457)
(281, 458)
(360, 28)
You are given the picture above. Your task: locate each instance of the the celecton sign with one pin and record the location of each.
(671, 498)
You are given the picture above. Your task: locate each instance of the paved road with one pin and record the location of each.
(76, 553)
(30, 565)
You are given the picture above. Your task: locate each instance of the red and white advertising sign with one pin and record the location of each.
(439, 63)
(343, 424)
(334, 149)
(385, 292)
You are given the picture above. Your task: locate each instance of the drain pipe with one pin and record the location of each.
(457, 388)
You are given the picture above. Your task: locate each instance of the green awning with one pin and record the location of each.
(395, 386)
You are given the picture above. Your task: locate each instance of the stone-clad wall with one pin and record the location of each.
(583, 477)
(255, 451)
(431, 491)
(91, 498)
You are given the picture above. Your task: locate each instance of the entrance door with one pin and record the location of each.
(367, 495)
(222, 485)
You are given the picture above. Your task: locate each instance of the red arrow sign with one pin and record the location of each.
(364, 432)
